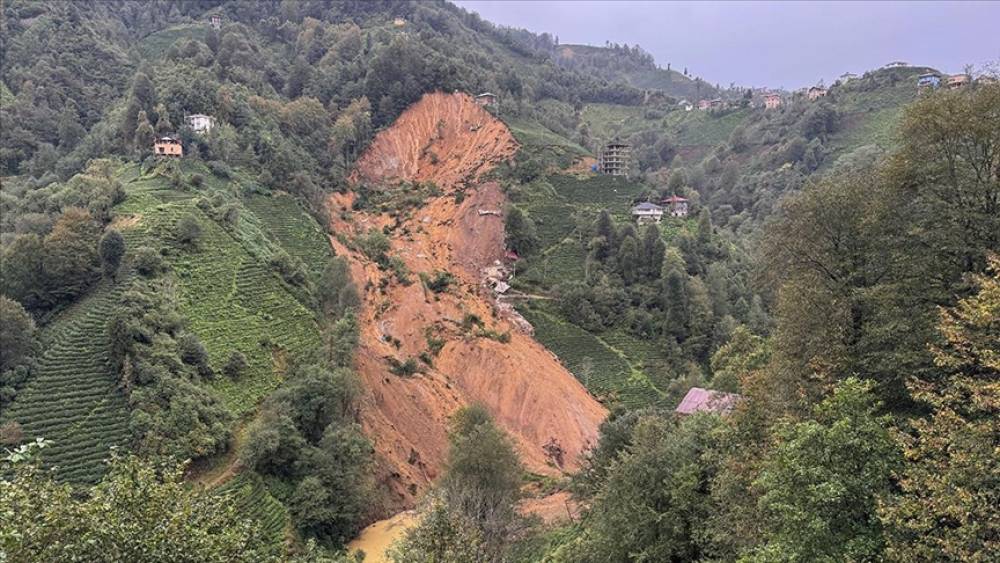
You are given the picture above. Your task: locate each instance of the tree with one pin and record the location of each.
(655, 501)
(946, 510)
(70, 258)
(138, 512)
(112, 249)
(821, 485)
(520, 232)
(18, 346)
(628, 260)
(653, 249)
(144, 132)
(475, 510)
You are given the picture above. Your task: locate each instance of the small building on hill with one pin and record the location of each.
(959, 81)
(897, 64)
(487, 99)
(676, 205)
(199, 122)
(704, 104)
(706, 400)
(772, 101)
(614, 159)
(928, 80)
(399, 22)
(168, 146)
(816, 93)
(216, 21)
(647, 212)
(685, 105)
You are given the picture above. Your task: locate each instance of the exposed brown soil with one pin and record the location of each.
(534, 398)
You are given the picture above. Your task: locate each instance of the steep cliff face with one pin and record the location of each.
(448, 140)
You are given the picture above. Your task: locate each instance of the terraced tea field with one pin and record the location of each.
(73, 399)
(294, 229)
(252, 500)
(231, 298)
(604, 371)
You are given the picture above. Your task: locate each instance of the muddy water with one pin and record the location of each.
(376, 538)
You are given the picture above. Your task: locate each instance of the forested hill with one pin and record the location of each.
(302, 305)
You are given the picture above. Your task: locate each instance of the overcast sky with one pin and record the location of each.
(776, 44)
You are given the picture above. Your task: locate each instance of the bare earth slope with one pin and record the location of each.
(448, 139)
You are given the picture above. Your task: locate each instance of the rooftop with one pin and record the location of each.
(706, 400)
(647, 206)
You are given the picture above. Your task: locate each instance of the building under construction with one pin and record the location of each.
(614, 159)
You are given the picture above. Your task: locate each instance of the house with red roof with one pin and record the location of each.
(678, 206)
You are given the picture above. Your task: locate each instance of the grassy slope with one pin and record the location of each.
(288, 224)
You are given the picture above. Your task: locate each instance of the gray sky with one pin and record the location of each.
(776, 44)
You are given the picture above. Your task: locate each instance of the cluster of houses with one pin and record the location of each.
(171, 146)
(648, 212)
(932, 80)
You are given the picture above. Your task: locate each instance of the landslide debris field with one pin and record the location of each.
(430, 346)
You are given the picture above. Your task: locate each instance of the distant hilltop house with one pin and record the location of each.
(614, 158)
(959, 80)
(704, 104)
(647, 212)
(200, 123)
(816, 92)
(772, 101)
(678, 206)
(986, 79)
(928, 80)
(216, 21)
(399, 22)
(168, 146)
(847, 77)
(706, 400)
(686, 105)
(897, 64)
(487, 99)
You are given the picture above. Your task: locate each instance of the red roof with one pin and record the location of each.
(511, 255)
(673, 199)
(705, 400)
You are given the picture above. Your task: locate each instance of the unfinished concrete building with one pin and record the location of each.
(615, 158)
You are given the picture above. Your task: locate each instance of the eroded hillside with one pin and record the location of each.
(448, 140)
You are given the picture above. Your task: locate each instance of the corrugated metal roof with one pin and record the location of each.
(706, 400)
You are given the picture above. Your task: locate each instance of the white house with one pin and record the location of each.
(647, 212)
(200, 123)
(686, 105)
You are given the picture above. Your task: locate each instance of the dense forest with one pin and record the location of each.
(180, 344)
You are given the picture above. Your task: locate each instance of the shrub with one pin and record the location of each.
(197, 180)
(440, 282)
(112, 248)
(470, 320)
(188, 230)
(405, 369)
(148, 261)
(236, 365)
(192, 351)
(374, 244)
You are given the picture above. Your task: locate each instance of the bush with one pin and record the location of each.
(440, 282)
(197, 180)
(148, 261)
(188, 230)
(405, 369)
(236, 365)
(192, 351)
(112, 248)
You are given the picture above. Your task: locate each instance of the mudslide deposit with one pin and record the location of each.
(449, 140)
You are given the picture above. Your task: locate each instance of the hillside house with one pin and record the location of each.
(216, 21)
(772, 101)
(928, 80)
(816, 93)
(685, 105)
(168, 146)
(399, 22)
(958, 81)
(487, 99)
(986, 79)
(677, 206)
(706, 400)
(897, 64)
(647, 212)
(717, 103)
(199, 122)
(614, 159)
(704, 104)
